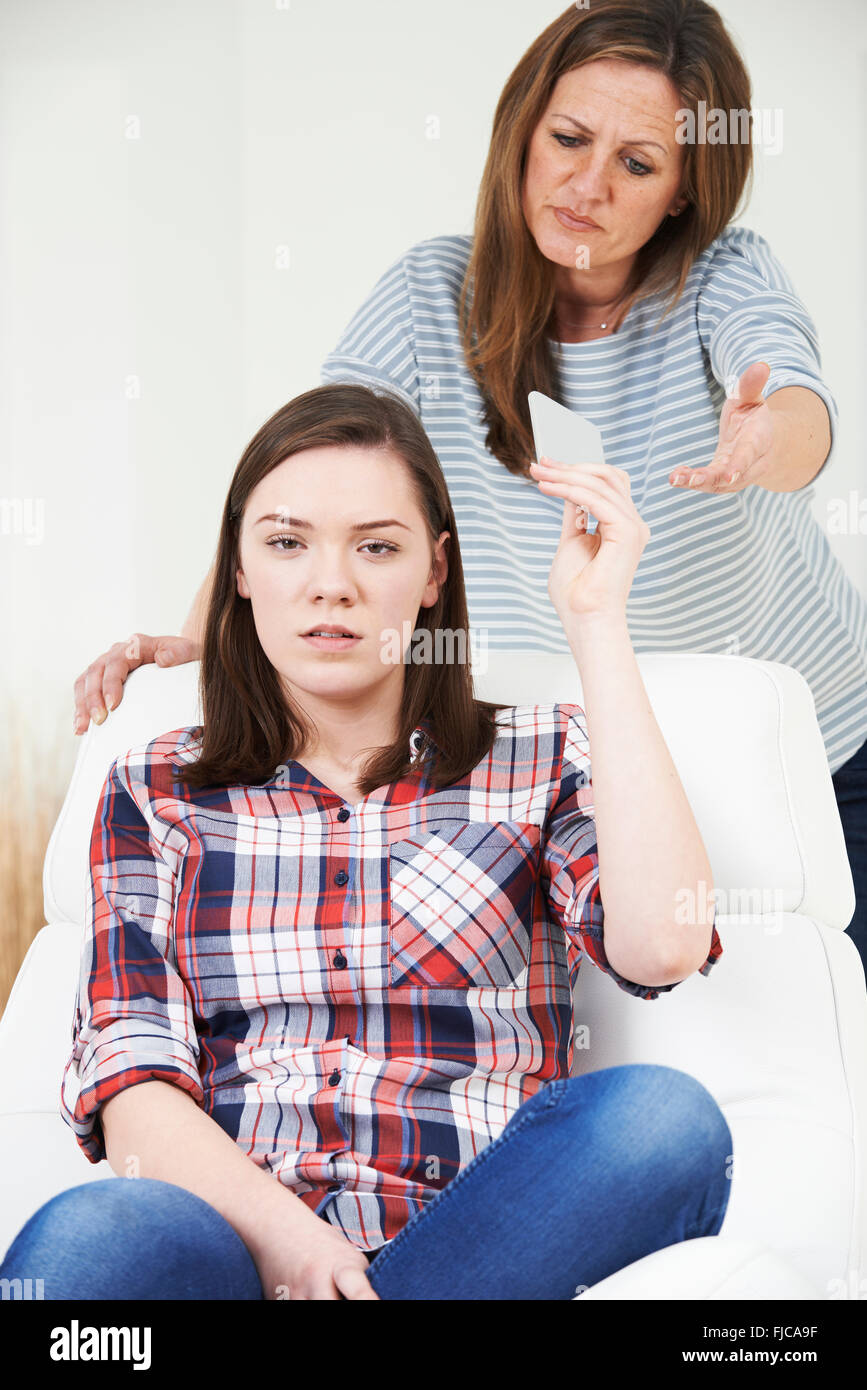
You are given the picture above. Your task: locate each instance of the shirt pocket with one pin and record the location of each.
(462, 903)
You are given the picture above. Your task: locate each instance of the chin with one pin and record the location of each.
(332, 677)
(559, 245)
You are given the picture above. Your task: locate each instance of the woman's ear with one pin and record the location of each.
(439, 571)
(243, 587)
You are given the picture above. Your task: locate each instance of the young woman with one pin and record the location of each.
(325, 1012)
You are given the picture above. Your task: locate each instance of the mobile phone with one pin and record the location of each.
(564, 436)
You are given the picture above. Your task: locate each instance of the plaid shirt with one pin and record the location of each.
(361, 996)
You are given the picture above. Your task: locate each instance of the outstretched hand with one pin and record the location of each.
(746, 440)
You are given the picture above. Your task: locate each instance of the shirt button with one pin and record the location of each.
(340, 961)
(341, 877)
(343, 814)
(334, 1078)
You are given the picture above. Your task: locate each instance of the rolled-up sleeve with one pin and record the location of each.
(570, 864)
(377, 348)
(133, 1017)
(748, 311)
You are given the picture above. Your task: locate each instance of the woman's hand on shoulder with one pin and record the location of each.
(100, 688)
(592, 575)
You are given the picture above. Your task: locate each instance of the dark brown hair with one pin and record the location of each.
(250, 728)
(510, 283)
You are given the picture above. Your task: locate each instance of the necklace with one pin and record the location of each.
(579, 326)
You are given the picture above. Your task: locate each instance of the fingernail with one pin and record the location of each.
(110, 702)
(97, 715)
(734, 477)
(77, 724)
(695, 481)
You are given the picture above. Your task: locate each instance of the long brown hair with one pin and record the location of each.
(508, 292)
(250, 727)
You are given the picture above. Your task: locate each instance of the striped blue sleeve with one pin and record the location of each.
(748, 311)
(377, 348)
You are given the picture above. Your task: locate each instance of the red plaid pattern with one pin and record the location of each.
(361, 996)
(462, 905)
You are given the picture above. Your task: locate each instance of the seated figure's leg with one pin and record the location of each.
(589, 1175)
(136, 1238)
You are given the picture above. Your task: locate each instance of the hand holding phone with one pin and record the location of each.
(564, 435)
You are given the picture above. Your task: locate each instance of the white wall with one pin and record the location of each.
(154, 158)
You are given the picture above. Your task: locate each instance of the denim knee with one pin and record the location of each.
(143, 1231)
(672, 1116)
(77, 1216)
(95, 1209)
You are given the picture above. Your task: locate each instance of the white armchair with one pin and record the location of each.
(777, 1032)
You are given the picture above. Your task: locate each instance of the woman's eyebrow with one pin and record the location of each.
(308, 525)
(636, 140)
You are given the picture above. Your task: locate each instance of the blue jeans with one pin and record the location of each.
(850, 786)
(590, 1174)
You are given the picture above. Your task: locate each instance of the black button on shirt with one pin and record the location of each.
(343, 814)
(341, 877)
(340, 961)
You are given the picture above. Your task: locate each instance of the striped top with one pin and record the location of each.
(361, 995)
(750, 574)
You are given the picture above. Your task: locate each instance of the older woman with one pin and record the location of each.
(604, 270)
